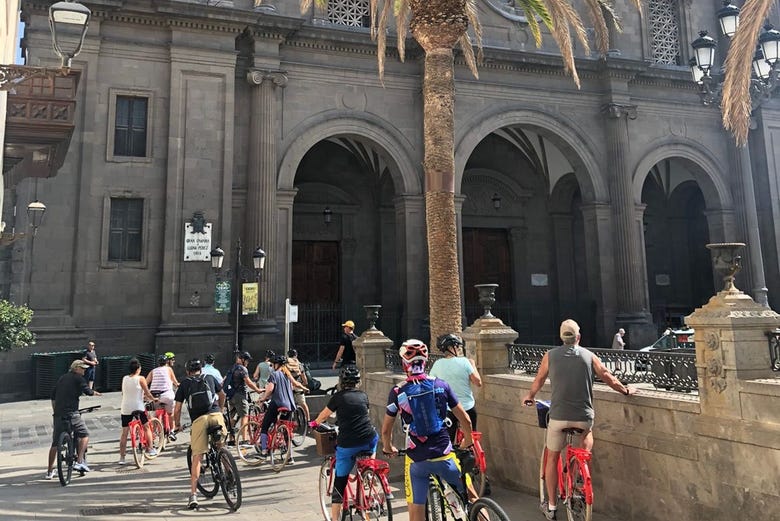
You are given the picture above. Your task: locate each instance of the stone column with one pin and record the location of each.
(486, 339)
(626, 243)
(597, 222)
(282, 283)
(521, 277)
(412, 257)
(370, 350)
(260, 215)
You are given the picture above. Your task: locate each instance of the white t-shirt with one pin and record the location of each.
(132, 395)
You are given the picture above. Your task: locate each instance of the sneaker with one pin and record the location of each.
(548, 514)
(121, 462)
(151, 453)
(264, 454)
(49, 474)
(193, 502)
(81, 467)
(172, 437)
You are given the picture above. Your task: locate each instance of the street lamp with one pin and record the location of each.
(35, 212)
(239, 274)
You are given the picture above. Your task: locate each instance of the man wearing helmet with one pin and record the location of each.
(356, 433)
(242, 384)
(161, 380)
(422, 402)
(199, 441)
(279, 390)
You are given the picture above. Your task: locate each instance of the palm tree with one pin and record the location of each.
(438, 26)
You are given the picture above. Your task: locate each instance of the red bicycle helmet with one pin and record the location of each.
(412, 350)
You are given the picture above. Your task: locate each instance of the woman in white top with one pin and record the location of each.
(134, 389)
(161, 382)
(460, 372)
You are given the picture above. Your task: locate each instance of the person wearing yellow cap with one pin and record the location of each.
(346, 354)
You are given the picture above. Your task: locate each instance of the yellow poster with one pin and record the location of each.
(249, 294)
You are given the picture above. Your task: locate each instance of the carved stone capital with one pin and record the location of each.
(258, 76)
(616, 111)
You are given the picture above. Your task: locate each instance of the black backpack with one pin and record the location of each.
(312, 383)
(202, 396)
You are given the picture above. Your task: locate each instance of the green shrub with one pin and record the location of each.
(13, 326)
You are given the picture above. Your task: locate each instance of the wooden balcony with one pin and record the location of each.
(39, 124)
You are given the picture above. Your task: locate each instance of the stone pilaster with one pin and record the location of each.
(412, 252)
(486, 339)
(564, 256)
(282, 283)
(370, 350)
(260, 215)
(600, 268)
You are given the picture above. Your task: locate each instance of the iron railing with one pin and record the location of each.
(393, 360)
(670, 370)
(774, 349)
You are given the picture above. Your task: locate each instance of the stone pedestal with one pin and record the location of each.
(731, 345)
(486, 340)
(370, 350)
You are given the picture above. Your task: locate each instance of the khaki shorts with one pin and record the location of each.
(300, 399)
(199, 438)
(240, 404)
(556, 438)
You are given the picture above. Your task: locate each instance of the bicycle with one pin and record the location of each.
(66, 450)
(248, 439)
(479, 469)
(445, 503)
(162, 414)
(140, 444)
(279, 441)
(218, 470)
(367, 494)
(575, 488)
(300, 427)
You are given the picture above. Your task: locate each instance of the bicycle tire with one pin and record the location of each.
(478, 480)
(577, 506)
(207, 485)
(485, 509)
(158, 436)
(325, 486)
(280, 448)
(137, 445)
(248, 443)
(379, 507)
(542, 485)
(434, 504)
(301, 426)
(65, 458)
(230, 480)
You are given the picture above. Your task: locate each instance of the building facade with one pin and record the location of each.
(273, 127)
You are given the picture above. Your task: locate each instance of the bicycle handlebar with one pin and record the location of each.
(89, 409)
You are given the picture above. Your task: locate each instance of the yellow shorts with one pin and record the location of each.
(416, 475)
(199, 438)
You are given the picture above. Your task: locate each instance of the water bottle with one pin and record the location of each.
(455, 503)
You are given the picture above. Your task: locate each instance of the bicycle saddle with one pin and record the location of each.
(572, 430)
(156, 394)
(214, 429)
(364, 454)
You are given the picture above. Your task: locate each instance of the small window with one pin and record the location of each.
(125, 230)
(130, 126)
(665, 31)
(352, 13)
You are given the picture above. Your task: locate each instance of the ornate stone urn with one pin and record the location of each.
(487, 297)
(372, 315)
(727, 263)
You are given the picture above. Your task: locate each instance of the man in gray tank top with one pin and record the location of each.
(570, 368)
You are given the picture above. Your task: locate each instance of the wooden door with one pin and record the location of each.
(315, 272)
(486, 261)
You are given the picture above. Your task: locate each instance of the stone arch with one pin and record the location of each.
(311, 131)
(568, 139)
(705, 170)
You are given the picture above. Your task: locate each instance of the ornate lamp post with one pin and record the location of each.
(35, 212)
(239, 274)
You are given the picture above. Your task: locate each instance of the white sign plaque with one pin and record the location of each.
(293, 313)
(538, 279)
(197, 246)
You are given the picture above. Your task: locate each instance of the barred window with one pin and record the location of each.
(665, 31)
(126, 229)
(353, 13)
(130, 126)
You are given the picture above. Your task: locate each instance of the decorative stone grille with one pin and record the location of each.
(665, 31)
(353, 13)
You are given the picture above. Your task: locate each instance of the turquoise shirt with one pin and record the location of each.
(456, 371)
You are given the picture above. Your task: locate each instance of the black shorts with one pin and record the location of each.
(127, 418)
(61, 425)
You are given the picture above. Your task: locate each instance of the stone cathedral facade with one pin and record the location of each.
(273, 128)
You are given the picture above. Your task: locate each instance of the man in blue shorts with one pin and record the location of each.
(422, 402)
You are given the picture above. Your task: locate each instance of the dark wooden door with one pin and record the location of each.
(486, 261)
(315, 272)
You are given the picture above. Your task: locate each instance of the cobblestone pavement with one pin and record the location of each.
(159, 490)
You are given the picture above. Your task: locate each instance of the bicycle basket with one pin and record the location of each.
(542, 413)
(326, 442)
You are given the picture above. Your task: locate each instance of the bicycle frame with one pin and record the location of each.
(479, 453)
(355, 493)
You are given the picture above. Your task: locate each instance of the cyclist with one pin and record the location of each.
(460, 372)
(65, 402)
(209, 368)
(242, 384)
(134, 390)
(279, 390)
(201, 421)
(161, 379)
(356, 433)
(296, 368)
(263, 369)
(571, 369)
(422, 402)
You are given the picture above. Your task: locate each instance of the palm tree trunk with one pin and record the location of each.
(437, 25)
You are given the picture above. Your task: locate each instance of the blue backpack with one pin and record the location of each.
(229, 388)
(420, 395)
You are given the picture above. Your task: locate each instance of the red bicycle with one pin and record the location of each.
(279, 440)
(367, 494)
(575, 488)
(478, 471)
(142, 446)
(161, 413)
(248, 439)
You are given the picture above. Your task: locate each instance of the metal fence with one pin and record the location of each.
(670, 370)
(774, 349)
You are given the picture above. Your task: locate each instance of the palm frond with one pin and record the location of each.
(402, 12)
(600, 29)
(468, 53)
(565, 19)
(372, 11)
(473, 16)
(532, 9)
(305, 4)
(611, 17)
(736, 105)
(381, 38)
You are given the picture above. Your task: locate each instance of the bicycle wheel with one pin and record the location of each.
(248, 444)
(158, 436)
(281, 447)
(485, 509)
(434, 504)
(207, 485)
(327, 473)
(65, 458)
(230, 480)
(301, 426)
(377, 506)
(136, 442)
(578, 506)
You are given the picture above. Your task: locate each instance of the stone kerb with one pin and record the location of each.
(370, 350)
(487, 339)
(731, 347)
